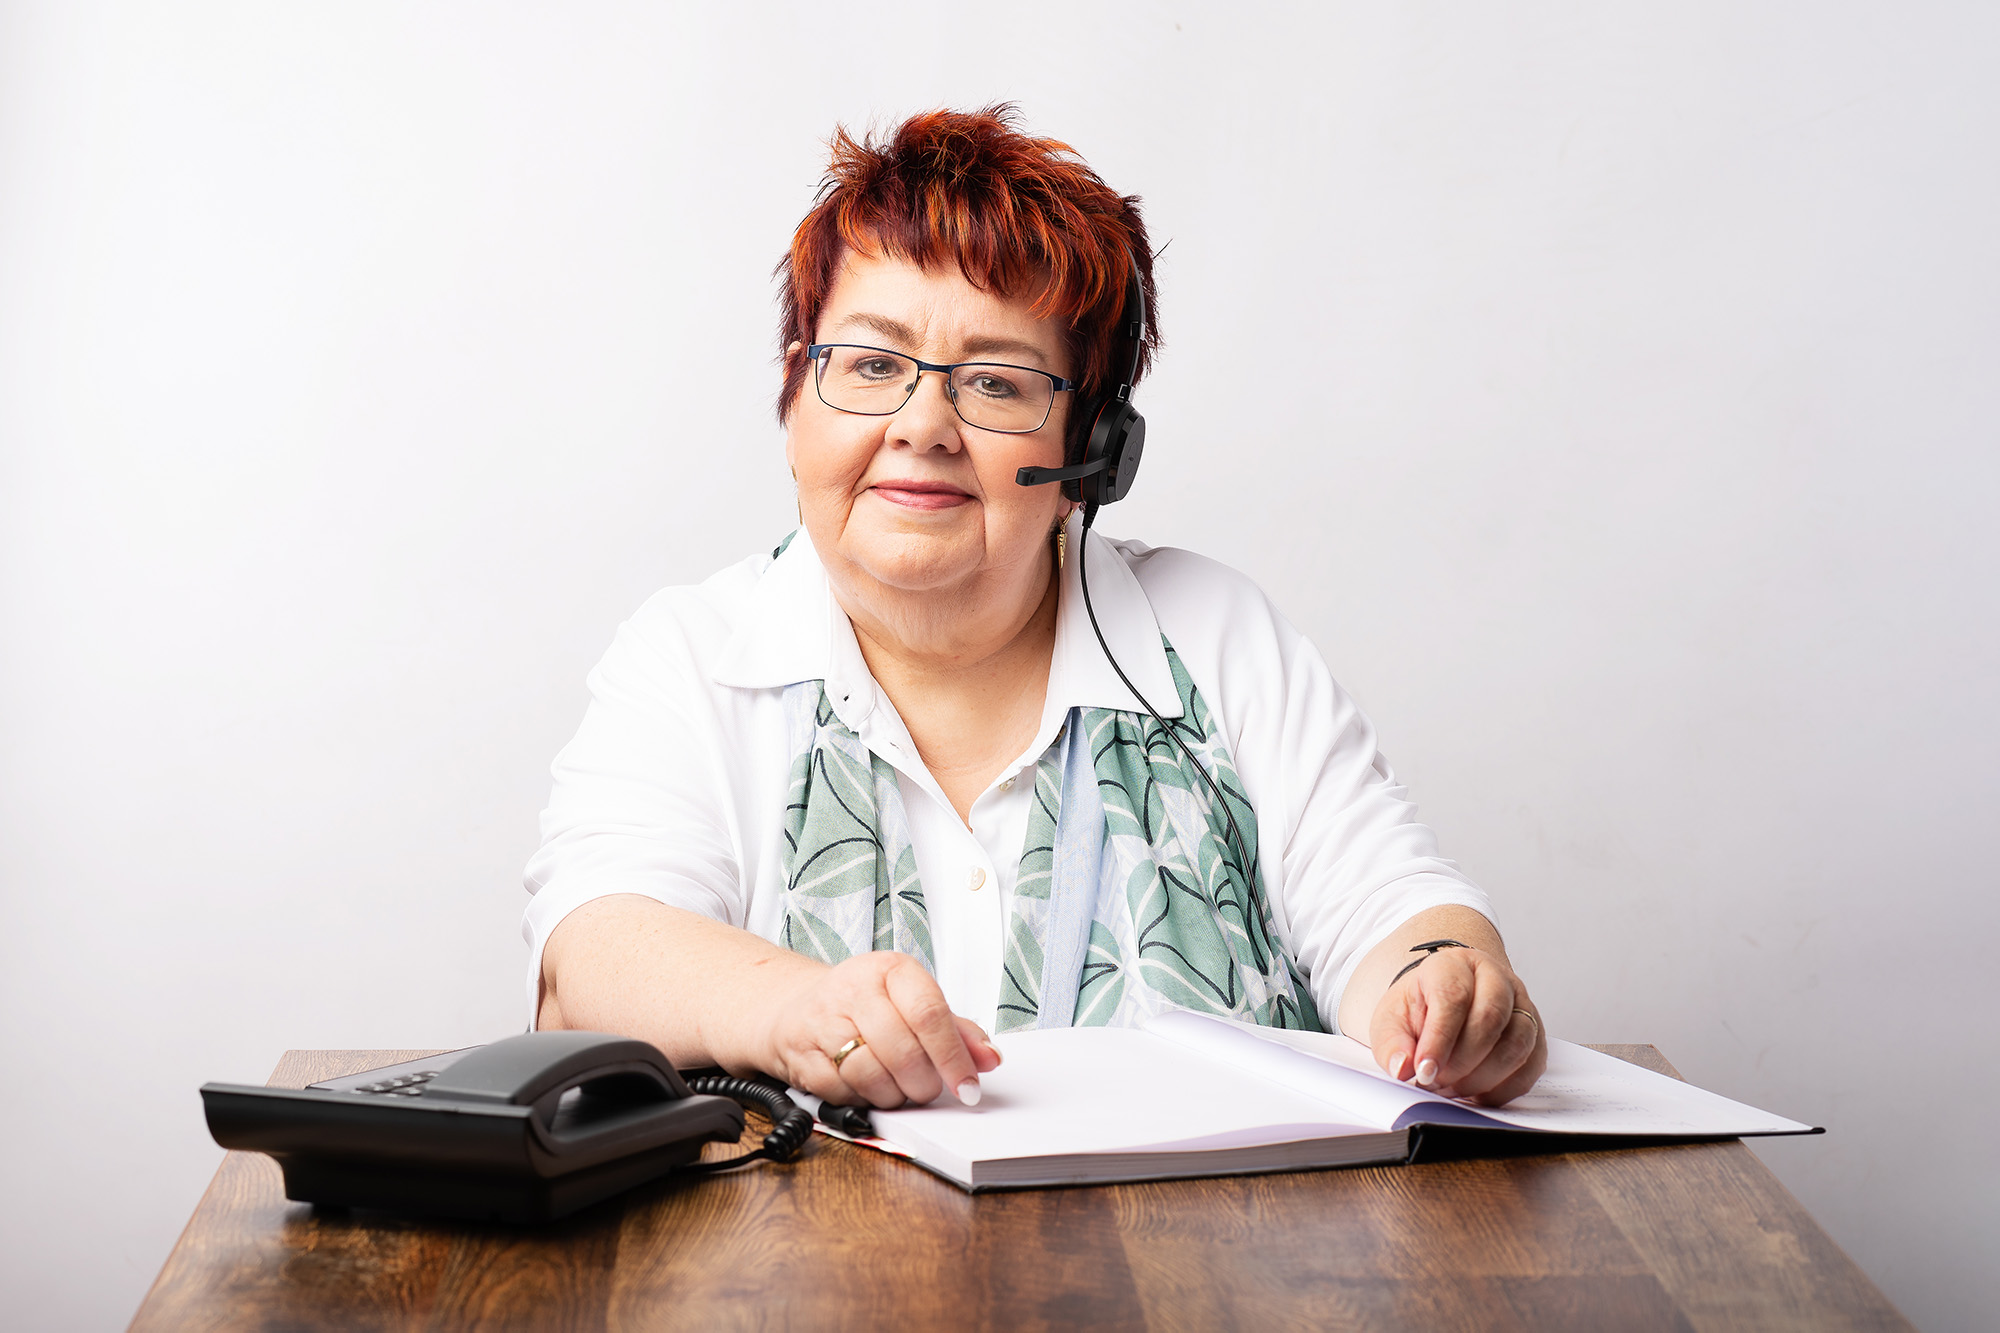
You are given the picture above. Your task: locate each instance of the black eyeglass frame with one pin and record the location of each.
(817, 353)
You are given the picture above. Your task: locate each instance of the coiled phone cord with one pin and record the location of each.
(791, 1124)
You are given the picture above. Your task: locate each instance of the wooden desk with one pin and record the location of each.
(1694, 1237)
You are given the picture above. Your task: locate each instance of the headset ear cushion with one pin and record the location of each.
(1120, 439)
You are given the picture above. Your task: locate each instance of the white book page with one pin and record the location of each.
(1318, 1073)
(1099, 1090)
(1582, 1092)
(1586, 1091)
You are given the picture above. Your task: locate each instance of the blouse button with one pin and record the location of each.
(1007, 784)
(977, 880)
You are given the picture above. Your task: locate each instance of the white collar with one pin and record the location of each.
(792, 629)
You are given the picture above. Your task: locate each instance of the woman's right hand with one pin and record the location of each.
(912, 1046)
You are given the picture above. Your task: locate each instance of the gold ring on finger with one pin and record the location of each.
(852, 1046)
(1522, 1012)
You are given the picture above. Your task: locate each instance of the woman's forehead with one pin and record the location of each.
(937, 310)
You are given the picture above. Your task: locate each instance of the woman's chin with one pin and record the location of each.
(916, 562)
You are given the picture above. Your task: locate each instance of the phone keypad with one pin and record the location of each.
(403, 1085)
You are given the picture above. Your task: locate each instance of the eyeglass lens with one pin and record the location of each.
(992, 397)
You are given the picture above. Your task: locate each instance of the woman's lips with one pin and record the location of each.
(921, 494)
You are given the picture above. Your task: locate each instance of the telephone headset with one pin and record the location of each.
(1111, 456)
(534, 1127)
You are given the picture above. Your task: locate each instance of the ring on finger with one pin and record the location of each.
(1522, 1012)
(853, 1045)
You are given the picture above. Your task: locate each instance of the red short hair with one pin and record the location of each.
(1013, 212)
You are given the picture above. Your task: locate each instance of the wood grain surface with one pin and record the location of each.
(1692, 1237)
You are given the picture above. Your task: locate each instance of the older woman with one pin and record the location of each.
(851, 805)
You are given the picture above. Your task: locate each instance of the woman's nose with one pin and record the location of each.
(927, 419)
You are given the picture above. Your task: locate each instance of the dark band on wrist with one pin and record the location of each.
(1432, 946)
(1427, 948)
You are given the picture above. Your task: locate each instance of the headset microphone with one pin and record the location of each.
(1039, 476)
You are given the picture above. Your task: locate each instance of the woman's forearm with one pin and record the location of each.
(702, 991)
(710, 994)
(1366, 986)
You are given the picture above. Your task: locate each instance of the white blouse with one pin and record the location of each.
(675, 786)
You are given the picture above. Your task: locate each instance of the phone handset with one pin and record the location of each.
(538, 1068)
(618, 1080)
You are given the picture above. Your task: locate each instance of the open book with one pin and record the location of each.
(1191, 1095)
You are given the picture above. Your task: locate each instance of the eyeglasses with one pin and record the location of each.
(872, 382)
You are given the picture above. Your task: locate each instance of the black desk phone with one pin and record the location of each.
(527, 1129)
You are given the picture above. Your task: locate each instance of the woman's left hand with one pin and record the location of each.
(1461, 1024)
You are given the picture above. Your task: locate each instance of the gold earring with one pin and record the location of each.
(1062, 541)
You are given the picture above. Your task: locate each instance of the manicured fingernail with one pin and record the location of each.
(1427, 1072)
(1396, 1065)
(968, 1092)
(997, 1057)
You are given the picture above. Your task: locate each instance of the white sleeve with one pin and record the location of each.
(1342, 853)
(641, 800)
(1356, 862)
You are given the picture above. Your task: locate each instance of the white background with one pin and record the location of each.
(1609, 389)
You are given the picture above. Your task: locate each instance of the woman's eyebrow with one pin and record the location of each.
(1004, 347)
(889, 328)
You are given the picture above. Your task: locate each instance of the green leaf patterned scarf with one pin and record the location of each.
(1130, 898)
